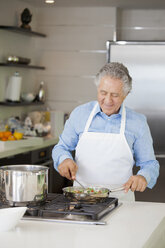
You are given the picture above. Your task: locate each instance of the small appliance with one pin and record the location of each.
(13, 89)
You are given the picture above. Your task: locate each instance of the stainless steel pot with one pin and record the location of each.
(21, 185)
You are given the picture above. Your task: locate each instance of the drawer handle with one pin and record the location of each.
(47, 162)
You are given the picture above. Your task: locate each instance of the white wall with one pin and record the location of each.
(73, 52)
(138, 24)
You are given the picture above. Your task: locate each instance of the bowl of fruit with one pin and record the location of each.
(9, 136)
(9, 140)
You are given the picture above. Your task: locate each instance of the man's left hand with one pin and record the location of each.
(136, 183)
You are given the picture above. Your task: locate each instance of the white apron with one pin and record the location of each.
(104, 159)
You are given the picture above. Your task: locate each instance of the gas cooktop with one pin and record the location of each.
(58, 208)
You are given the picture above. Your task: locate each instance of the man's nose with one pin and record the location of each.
(108, 99)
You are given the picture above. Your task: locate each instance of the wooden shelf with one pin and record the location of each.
(21, 31)
(17, 104)
(23, 66)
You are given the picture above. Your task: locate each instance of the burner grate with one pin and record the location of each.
(60, 205)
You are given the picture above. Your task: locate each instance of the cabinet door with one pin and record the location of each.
(23, 158)
(57, 182)
(156, 194)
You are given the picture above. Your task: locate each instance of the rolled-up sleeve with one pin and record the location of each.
(67, 142)
(144, 155)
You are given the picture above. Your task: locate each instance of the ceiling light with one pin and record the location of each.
(49, 1)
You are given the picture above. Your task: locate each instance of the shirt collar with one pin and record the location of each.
(98, 110)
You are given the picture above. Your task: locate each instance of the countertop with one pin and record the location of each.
(48, 141)
(132, 225)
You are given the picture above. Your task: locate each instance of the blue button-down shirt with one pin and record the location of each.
(136, 131)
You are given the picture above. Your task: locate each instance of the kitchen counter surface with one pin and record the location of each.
(48, 141)
(139, 224)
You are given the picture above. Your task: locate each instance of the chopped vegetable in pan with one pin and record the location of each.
(91, 190)
(87, 191)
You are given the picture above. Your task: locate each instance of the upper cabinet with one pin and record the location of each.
(22, 31)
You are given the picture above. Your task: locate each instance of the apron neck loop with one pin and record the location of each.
(123, 119)
(90, 118)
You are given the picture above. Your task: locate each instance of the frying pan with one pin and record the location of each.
(90, 194)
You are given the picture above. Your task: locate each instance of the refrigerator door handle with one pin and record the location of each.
(160, 155)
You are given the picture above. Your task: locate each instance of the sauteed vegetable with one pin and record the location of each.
(87, 190)
(91, 194)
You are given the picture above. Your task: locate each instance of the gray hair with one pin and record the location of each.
(118, 71)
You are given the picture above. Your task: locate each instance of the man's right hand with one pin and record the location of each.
(68, 169)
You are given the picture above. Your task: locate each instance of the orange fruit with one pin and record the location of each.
(4, 139)
(7, 134)
(1, 134)
(11, 137)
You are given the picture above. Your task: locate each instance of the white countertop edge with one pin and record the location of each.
(11, 152)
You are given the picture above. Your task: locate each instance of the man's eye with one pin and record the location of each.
(103, 93)
(115, 95)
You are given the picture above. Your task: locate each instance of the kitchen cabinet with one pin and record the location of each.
(23, 158)
(44, 157)
(157, 193)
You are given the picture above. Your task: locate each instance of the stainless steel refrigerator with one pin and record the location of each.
(146, 63)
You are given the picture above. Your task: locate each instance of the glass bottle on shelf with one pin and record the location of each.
(41, 93)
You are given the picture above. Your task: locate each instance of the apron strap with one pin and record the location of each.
(90, 118)
(123, 120)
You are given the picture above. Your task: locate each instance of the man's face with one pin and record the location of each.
(110, 95)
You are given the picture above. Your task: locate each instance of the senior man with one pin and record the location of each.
(108, 139)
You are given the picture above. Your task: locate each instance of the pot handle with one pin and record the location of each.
(117, 189)
(1, 179)
(1, 184)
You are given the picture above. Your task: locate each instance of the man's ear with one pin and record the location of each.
(126, 95)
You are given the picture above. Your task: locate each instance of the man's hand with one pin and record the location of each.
(136, 183)
(68, 169)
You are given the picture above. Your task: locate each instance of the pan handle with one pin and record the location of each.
(117, 189)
